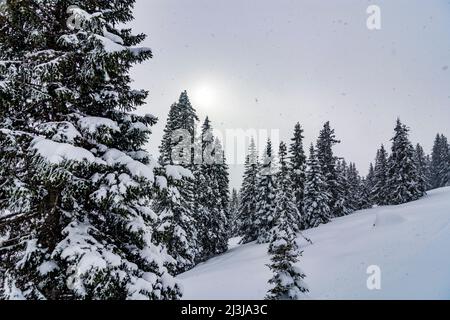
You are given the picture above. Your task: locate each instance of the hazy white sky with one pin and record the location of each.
(268, 64)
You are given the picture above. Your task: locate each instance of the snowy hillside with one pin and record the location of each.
(410, 243)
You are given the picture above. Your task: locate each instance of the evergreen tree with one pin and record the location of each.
(360, 195)
(364, 198)
(446, 161)
(354, 182)
(370, 179)
(266, 195)
(176, 226)
(181, 120)
(211, 213)
(420, 160)
(233, 210)
(316, 199)
(284, 202)
(174, 205)
(327, 161)
(249, 192)
(81, 227)
(440, 163)
(297, 168)
(369, 185)
(403, 179)
(429, 177)
(380, 190)
(436, 163)
(343, 203)
(288, 280)
(222, 177)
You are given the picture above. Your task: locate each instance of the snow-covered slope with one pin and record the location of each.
(410, 243)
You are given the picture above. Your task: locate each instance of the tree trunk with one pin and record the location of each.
(50, 233)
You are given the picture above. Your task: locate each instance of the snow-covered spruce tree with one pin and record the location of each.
(370, 181)
(327, 161)
(176, 226)
(403, 179)
(284, 202)
(288, 280)
(446, 161)
(371, 175)
(435, 163)
(182, 117)
(222, 177)
(316, 199)
(445, 155)
(428, 165)
(211, 215)
(266, 189)
(80, 224)
(365, 201)
(422, 166)
(174, 204)
(380, 191)
(297, 167)
(354, 184)
(360, 195)
(249, 193)
(343, 202)
(440, 163)
(233, 209)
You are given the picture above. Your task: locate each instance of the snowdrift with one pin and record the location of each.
(409, 243)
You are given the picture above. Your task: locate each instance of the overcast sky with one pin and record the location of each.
(266, 64)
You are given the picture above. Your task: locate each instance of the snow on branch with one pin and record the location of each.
(91, 124)
(79, 16)
(111, 46)
(136, 168)
(4, 63)
(178, 172)
(56, 153)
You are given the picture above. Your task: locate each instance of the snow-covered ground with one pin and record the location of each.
(410, 243)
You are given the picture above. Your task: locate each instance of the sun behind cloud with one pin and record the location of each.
(205, 95)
